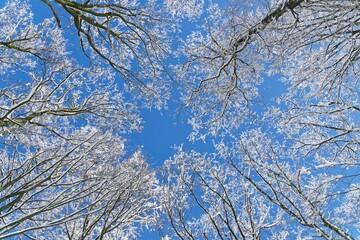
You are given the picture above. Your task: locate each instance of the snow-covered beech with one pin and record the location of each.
(64, 169)
(314, 45)
(206, 199)
(255, 188)
(88, 189)
(309, 168)
(185, 8)
(131, 37)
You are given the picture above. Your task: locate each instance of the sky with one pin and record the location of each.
(161, 133)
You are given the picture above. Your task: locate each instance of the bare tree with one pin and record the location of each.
(301, 154)
(206, 199)
(288, 170)
(256, 189)
(64, 170)
(313, 44)
(128, 36)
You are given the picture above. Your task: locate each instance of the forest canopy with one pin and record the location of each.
(272, 85)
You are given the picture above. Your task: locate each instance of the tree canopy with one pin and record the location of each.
(273, 85)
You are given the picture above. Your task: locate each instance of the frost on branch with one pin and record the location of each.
(256, 187)
(206, 199)
(77, 190)
(130, 37)
(185, 8)
(64, 170)
(314, 45)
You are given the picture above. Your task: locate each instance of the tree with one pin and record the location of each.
(207, 199)
(228, 57)
(254, 190)
(64, 170)
(131, 39)
(301, 152)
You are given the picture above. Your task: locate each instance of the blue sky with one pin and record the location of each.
(161, 132)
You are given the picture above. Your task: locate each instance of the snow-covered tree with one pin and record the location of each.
(299, 153)
(312, 45)
(131, 37)
(64, 169)
(206, 199)
(256, 188)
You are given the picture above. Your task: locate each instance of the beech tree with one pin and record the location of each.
(297, 157)
(130, 38)
(306, 42)
(207, 199)
(64, 170)
(254, 189)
